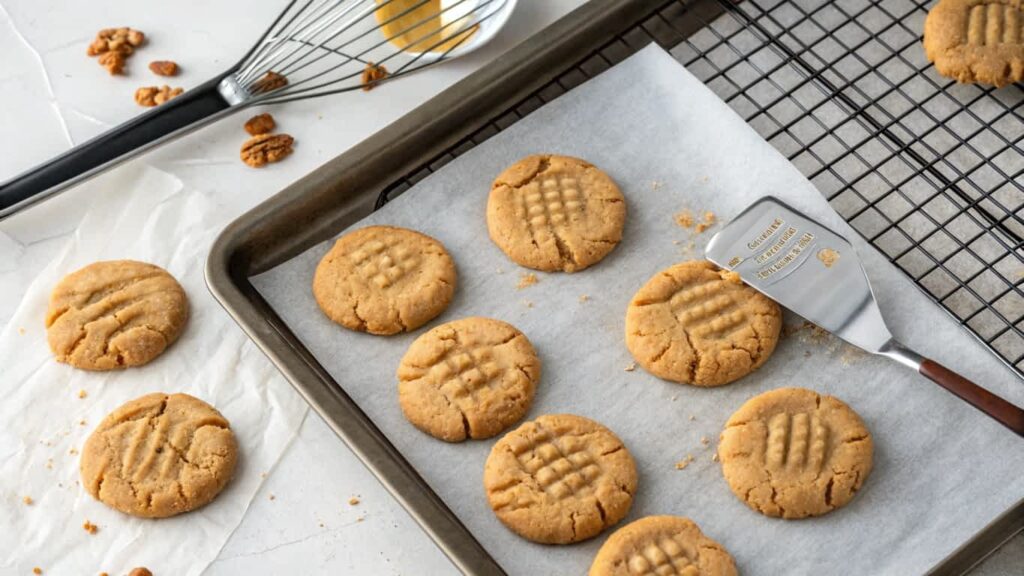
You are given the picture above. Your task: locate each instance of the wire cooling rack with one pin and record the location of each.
(928, 171)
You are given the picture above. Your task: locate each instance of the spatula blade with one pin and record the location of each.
(804, 266)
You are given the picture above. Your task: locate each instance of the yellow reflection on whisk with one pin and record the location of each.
(417, 26)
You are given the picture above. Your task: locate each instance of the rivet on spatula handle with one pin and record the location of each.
(1005, 413)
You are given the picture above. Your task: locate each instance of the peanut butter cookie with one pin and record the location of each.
(114, 314)
(159, 455)
(384, 280)
(658, 545)
(555, 213)
(471, 378)
(560, 479)
(793, 453)
(696, 324)
(977, 40)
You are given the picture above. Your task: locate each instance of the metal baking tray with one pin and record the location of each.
(581, 45)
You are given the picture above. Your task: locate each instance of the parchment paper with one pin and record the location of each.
(44, 422)
(942, 470)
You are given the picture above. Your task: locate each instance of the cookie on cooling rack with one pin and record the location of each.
(977, 40)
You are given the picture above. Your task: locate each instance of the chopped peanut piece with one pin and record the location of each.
(124, 40)
(260, 124)
(269, 82)
(113, 62)
(150, 96)
(164, 68)
(372, 75)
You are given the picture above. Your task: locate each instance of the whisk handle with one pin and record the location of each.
(108, 149)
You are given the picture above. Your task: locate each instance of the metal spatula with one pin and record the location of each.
(815, 272)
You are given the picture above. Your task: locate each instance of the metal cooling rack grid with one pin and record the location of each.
(928, 171)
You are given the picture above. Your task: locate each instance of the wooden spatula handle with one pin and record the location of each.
(1002, 411)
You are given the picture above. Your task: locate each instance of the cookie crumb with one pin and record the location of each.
(263, 474)
(692, 417)
(360, 519)
(91, 528)
(37, 570)
(27, 500)
(682, 464)
(272, 497)
(709, 221)
(49, 463)
(526, 279)
(675, 397)
(630, 367)
(684, 219)
(704, 440)
(528, 303)
(714, 457)
(104, 574)
(353, 501)
(82, 422)
(21, 330)
(140, 572)
(82, 394)
(584, 298)
(372, 75)
(73, 451)
(260, 124)
(164, 68)
(656, 185)
(828, 257)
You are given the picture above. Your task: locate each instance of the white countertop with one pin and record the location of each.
(54, 96)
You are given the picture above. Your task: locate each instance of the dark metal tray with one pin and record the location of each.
(910, 160)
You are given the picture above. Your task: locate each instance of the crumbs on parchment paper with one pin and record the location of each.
(630, 367)
(91, 528)
(526, 279)
(682, 464)
(353, 501)
(27, 500)
(82, 394)
(584, 298)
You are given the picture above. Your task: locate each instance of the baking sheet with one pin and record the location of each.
(45, 421)
(942, 470)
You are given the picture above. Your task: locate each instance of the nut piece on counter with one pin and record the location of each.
(124, 40)
(269, 82)
(152, 96)
(372, 75)
(140, 572)
(164, 68)
(266, 148)
(260, 124)
(113, 62)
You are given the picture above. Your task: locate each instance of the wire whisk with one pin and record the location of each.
(313, 48)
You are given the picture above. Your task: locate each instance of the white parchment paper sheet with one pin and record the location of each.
(44, 422)
(942, 470)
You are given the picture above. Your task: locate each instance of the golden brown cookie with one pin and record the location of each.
(661, 545)
(977, 40)
(384, 280)
(554, 213)
(470, 378)
(560, 479)
(114, 314)
(696, 324)
(793, 453)
(159, 455)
